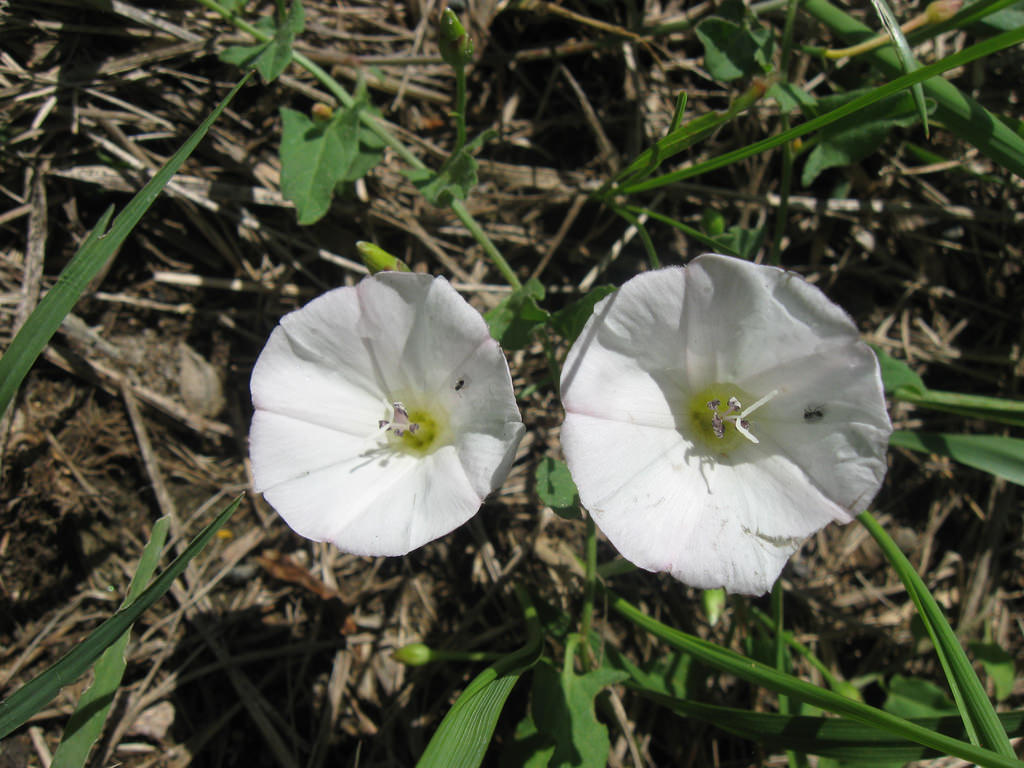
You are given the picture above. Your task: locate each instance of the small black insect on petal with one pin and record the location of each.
(813, 413)
(459, 385)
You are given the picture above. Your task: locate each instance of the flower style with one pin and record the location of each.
(384, 414)
(719, 414)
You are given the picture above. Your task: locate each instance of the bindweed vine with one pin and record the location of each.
(714, 412)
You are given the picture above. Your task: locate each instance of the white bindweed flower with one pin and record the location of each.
(718, 415)
(384, 414)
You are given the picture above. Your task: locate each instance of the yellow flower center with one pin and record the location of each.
(709, 421)
(416, 431)
(718, 416)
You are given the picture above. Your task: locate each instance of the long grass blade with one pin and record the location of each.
(823, 736)
(86, 723)
(465, 733)
(979, 715)
(958, 112)
(97, 250)
(754, 672)
(37, 693)
(1004, 145)
(906, 56)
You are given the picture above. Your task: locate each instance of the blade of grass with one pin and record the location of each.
(999, 409)
(958, 112)
(996, 454)
(35, 694)
(465, 733)
(1009, 146)
(754, 672)
(979, 716)
(908, 61)
(823, 736)
(86, 723)
(98, 249)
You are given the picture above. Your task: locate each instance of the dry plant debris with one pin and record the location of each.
(276, 652)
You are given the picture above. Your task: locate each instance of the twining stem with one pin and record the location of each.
(786, 179)
(376, 126)
(460, 108)
(941, 10)
(489, 248)
(589, 582)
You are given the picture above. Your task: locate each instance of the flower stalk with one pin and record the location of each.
(936, 12)
(376, 125)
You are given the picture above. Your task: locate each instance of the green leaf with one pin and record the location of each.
(556, 488)
(998, 666)
(244, 56)
(91, 257)
(744, 243)
(273, 57)
(569, 320)
(735, 45)
(37, 693)
(897, 376)
(513, 321)
(315, 157)
(585, 742)
(995, 454)
(791, 96)
(914, 697)
(465, 733)
(852, 139)
(86, 723)
(455, 179)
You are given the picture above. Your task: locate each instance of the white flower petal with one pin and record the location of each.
(421, 328)
(628, 357)
(818, 421)
(324, 390)
(744, 318)
(429, 500)
(283, 448)
(328, 387)
(731, 513)
(329, 497)
(487, 456)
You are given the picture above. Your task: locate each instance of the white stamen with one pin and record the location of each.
(739, 420)
(758, 404)
(741, 427)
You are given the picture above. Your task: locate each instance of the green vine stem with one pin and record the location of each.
(378, 127)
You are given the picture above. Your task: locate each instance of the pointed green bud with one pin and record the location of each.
(377, 259)
(713, 601)
(413, 654)
(712, 221)
(322, 113)
(456, 47)
(942, 10)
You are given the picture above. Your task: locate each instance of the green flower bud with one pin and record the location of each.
(712, 221)
(942, 10)
(713, 601)
(377, 259)
(456, 47)
(413, 654)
